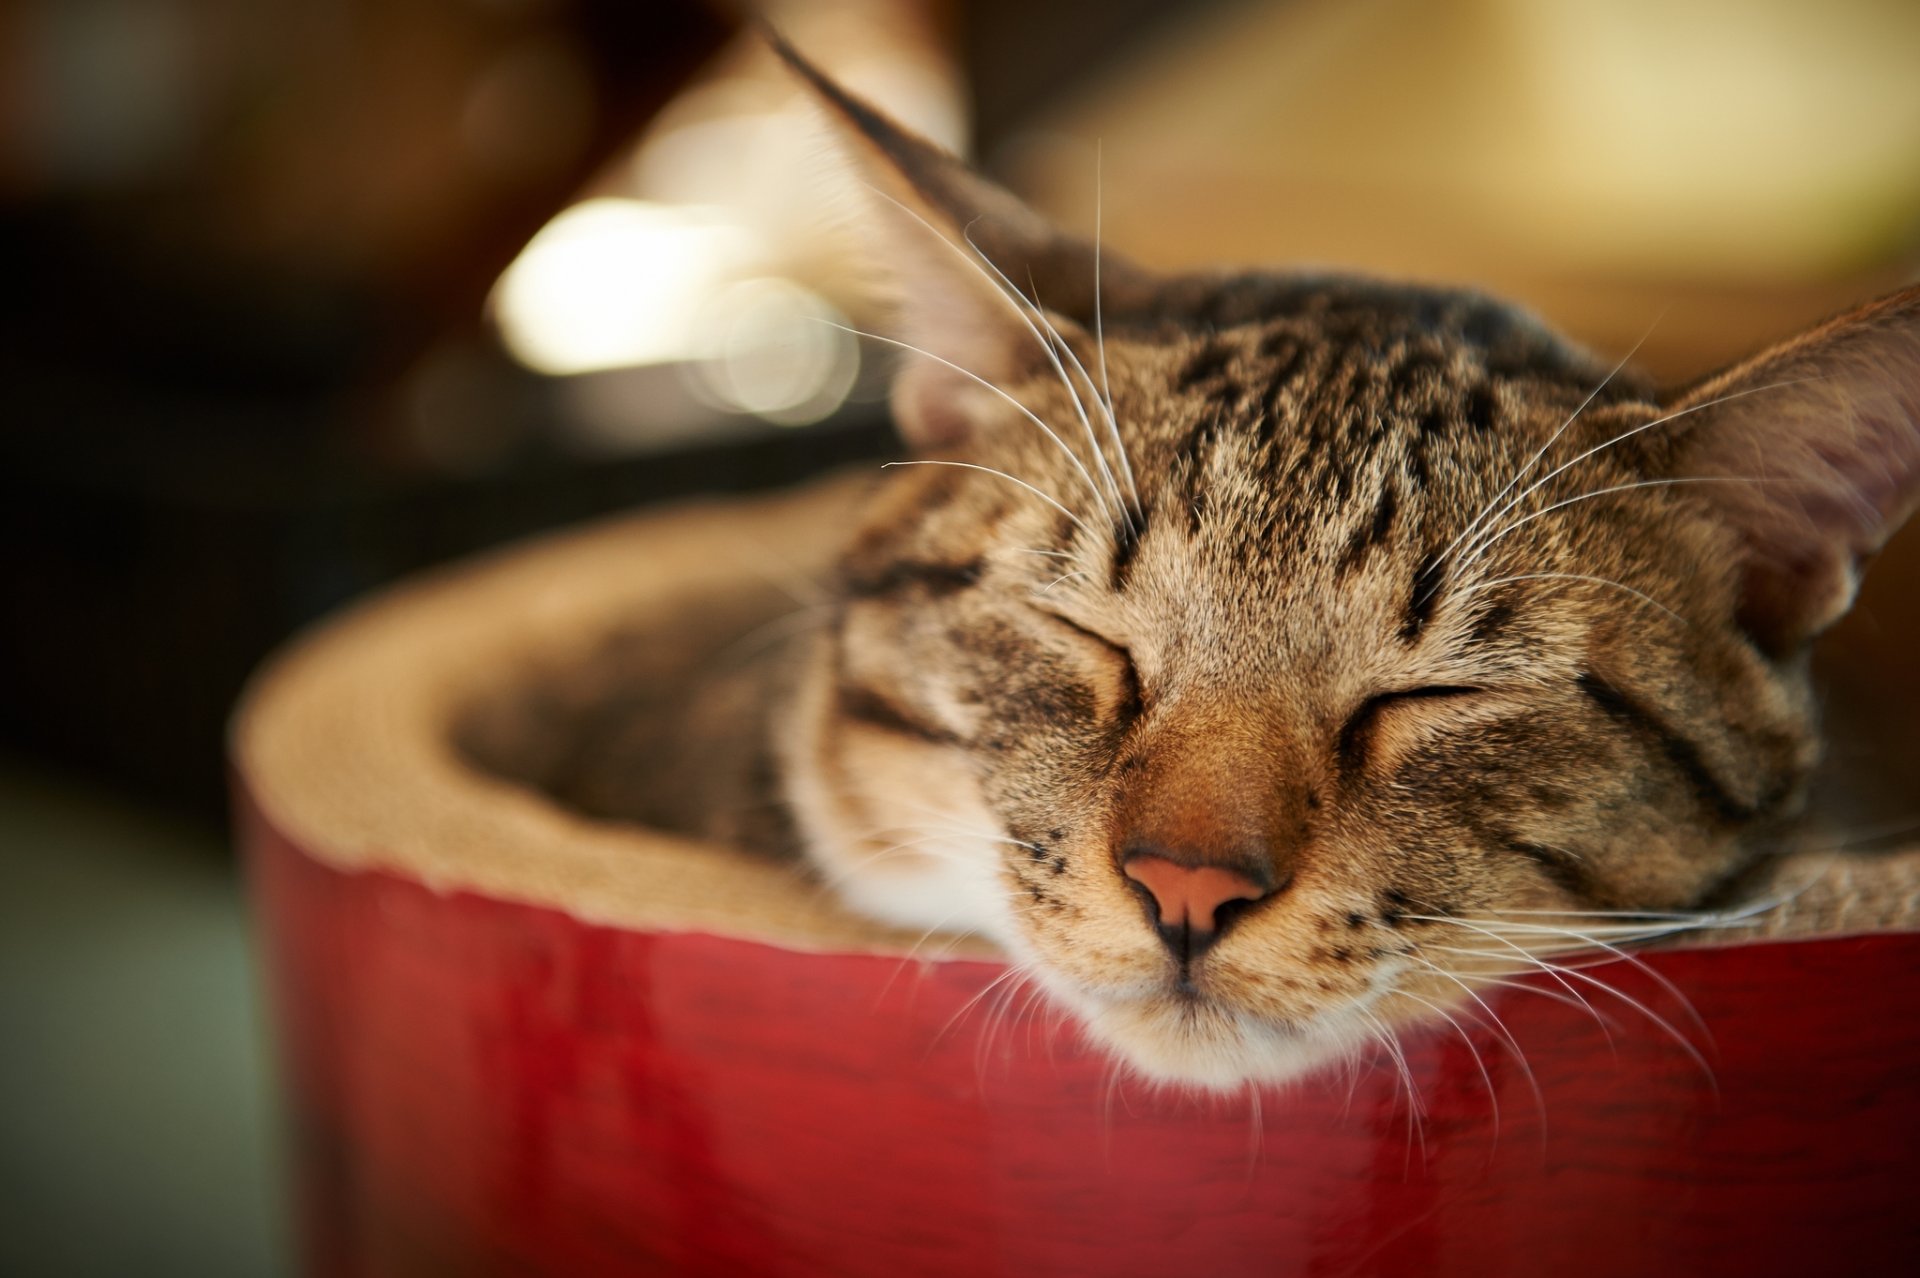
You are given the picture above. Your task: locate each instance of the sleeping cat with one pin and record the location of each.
(1265, 659)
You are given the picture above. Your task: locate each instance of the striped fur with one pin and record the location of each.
(1384, 588)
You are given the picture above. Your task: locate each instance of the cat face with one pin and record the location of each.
(1264, 659)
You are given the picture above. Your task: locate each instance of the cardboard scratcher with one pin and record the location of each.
(520, 1039)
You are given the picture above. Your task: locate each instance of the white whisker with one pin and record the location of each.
(1473, 1051)
(1477, 586)
(1561, 970)
(1004, 288)
(1551, 441)
(1030, 310)
(1024, 411)
(988, 470)
(1100, 337)
(1537, 484)
(1484, 544)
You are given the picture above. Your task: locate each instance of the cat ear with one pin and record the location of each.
(960, 251)
(1827, 428)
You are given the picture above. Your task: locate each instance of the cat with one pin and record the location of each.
(1266, 659)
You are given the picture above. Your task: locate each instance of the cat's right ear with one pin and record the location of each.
(1811, 451)
(959, 253)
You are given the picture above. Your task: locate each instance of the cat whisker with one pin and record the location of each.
(1633, 961)
(999, 1017)
(1473, 1051)
(1553, 439)
(1617, 931)
(1048, 588)
(1256, 1132)
(1043, 1014)
(1051, 501)
(1497, 978)
(913, 951)
(1480, 548)
(1867, 836)
(1100, 340)
(1676, 916)
(1110, 1085)
(1660, 1022)
(1106, 411)
(953, 827)
(1499, 1026)
(1030, 311)
(950, 822)
(1009, 974)
(1478, 586)
(796, 581)
(924, 829)
(1023, 410)
(1551, 971)
(1629, 434)
(1005, 289)
(1563, 970)
(1416, 1114)
(827, 880)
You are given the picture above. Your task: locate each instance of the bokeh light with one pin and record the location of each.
(611, 283)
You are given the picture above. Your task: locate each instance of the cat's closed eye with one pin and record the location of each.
(1360, 734)
(1119, 659)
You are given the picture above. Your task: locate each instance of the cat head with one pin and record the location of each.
(1265, 658)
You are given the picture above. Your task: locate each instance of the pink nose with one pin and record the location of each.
(1188, 895)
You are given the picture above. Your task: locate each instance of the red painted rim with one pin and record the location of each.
(481, 1086)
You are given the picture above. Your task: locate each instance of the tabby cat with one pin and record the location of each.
(1264, 659)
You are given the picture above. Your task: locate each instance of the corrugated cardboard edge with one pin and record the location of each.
(345, 743)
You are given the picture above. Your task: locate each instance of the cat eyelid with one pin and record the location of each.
(1355, 734)
(1133, 700)
(1428, 692)
(1115, 645)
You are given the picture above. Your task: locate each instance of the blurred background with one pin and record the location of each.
(304, 295)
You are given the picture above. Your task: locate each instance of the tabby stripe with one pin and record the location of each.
(1126, 543)
(1482, 408)
(1563, 868)
(1682, 753)
(875, 709)
(937, 579)
(1205, 366)
(1424, 597)
(1491, 621)
(1371, 533)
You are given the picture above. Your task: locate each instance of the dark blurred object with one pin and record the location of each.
(230, 230)
(248, 247)
(304, 192)
(142, 587)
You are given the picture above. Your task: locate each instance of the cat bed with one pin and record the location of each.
(523, 1038)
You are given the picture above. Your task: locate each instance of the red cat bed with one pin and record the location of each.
(518, 1039)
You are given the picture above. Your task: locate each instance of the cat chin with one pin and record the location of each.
(1180, 1043)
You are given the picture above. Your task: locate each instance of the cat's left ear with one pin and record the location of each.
(1818, 442)
(960, 251)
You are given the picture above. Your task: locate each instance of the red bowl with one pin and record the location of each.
(516, 1041)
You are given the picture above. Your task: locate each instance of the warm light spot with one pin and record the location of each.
(777, 350)
(611, 283)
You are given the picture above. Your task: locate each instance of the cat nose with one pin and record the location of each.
(1192, 904)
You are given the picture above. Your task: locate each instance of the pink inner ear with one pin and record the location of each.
(931, 406)
(1828, 428)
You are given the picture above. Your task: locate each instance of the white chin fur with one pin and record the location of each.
(1209, 1047)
